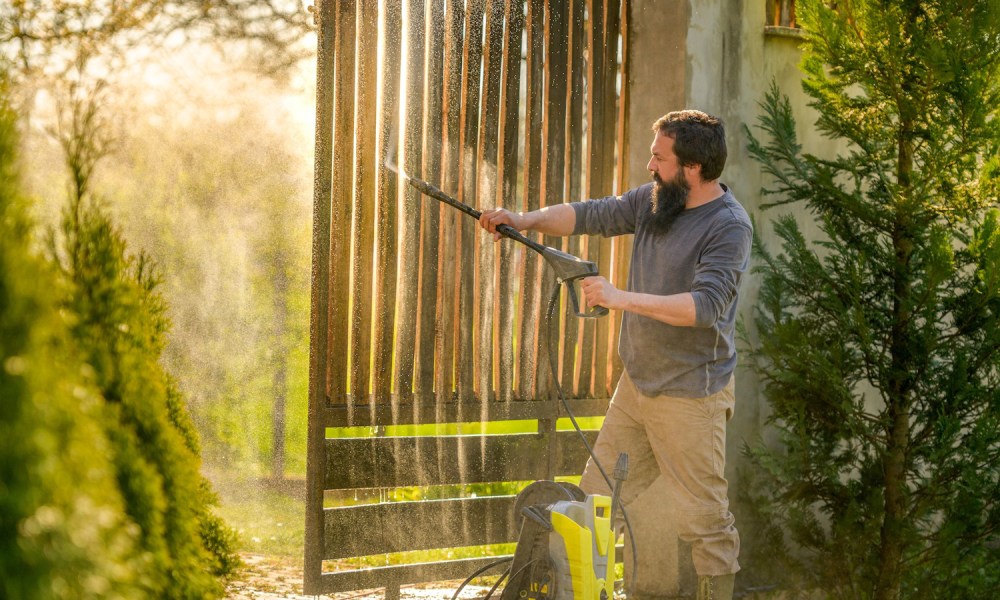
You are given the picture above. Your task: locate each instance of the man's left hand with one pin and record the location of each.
(599, 292)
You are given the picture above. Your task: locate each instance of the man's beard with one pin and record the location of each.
(667, 200)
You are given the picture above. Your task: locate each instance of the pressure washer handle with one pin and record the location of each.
(594, 312)
(568, 270)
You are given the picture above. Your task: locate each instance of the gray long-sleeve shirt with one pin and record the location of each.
(706, 252)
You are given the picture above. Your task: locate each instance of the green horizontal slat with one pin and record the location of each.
(428, 409)
(402, 526)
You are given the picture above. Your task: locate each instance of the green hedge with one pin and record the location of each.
(100, 490)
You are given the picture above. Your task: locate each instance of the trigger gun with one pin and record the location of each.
(568, 270)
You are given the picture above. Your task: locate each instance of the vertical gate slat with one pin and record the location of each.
(472, 69)
(606, 129)
(451, 107)
(487, 192)
(533, 159)
(409, 255)
(553, 165)
(431, 210)
(386, 191)
(340, 217)
(319, 293)
(595, 48)
(507, 165)
(574, 170)
(364, 197)
(624, 254)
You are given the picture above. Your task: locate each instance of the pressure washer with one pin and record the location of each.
(566, 545)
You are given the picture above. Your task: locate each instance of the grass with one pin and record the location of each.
(266, 521)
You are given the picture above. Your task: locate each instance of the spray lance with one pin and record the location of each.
(568, 268)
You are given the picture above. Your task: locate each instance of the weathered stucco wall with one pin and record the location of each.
(714, 55)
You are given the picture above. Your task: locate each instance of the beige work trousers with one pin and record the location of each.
(684, 441)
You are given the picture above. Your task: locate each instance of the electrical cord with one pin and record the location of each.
(553, 301)
(480, 572)
(513, 577)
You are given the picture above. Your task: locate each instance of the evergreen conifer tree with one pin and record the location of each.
(120, 324)
(63, 530)
(100, 490)
(879, 345)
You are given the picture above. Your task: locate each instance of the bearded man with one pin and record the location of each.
(670, 408)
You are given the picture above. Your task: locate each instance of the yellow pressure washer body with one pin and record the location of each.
(566, 547)
(582, 549)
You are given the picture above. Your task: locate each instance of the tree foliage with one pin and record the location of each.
(63, 531)
(52, 36)
(879, 345)
(225, 211)
(102, 496)
(119, 324)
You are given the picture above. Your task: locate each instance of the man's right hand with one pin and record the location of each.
(490, 219)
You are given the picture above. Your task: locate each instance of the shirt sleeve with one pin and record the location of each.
(610, 216)
(719, 271)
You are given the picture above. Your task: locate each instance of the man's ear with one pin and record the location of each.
(692, 172)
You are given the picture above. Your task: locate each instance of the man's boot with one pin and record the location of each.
(719, 587)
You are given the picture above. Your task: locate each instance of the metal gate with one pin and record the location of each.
(418, 318)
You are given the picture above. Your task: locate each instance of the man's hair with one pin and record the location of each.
(699, 138)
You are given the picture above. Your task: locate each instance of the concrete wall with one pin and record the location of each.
(713, 55)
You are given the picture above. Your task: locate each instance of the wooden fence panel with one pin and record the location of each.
(401, 526)
(319, 335)
(420, 318)
(488, 186)
(507, 171)
(574, 174)
(409, 256)
(382, 462)
(553, 185)
(451, 109)
(624, 243)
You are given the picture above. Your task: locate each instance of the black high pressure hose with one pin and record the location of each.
(553, 360)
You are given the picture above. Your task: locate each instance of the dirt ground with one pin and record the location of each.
(268, 578)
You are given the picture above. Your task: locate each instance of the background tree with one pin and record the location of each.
(194, 178)
(224, 175)
(50, 36)
(879, 345)
(63, 529)
(119, 327)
